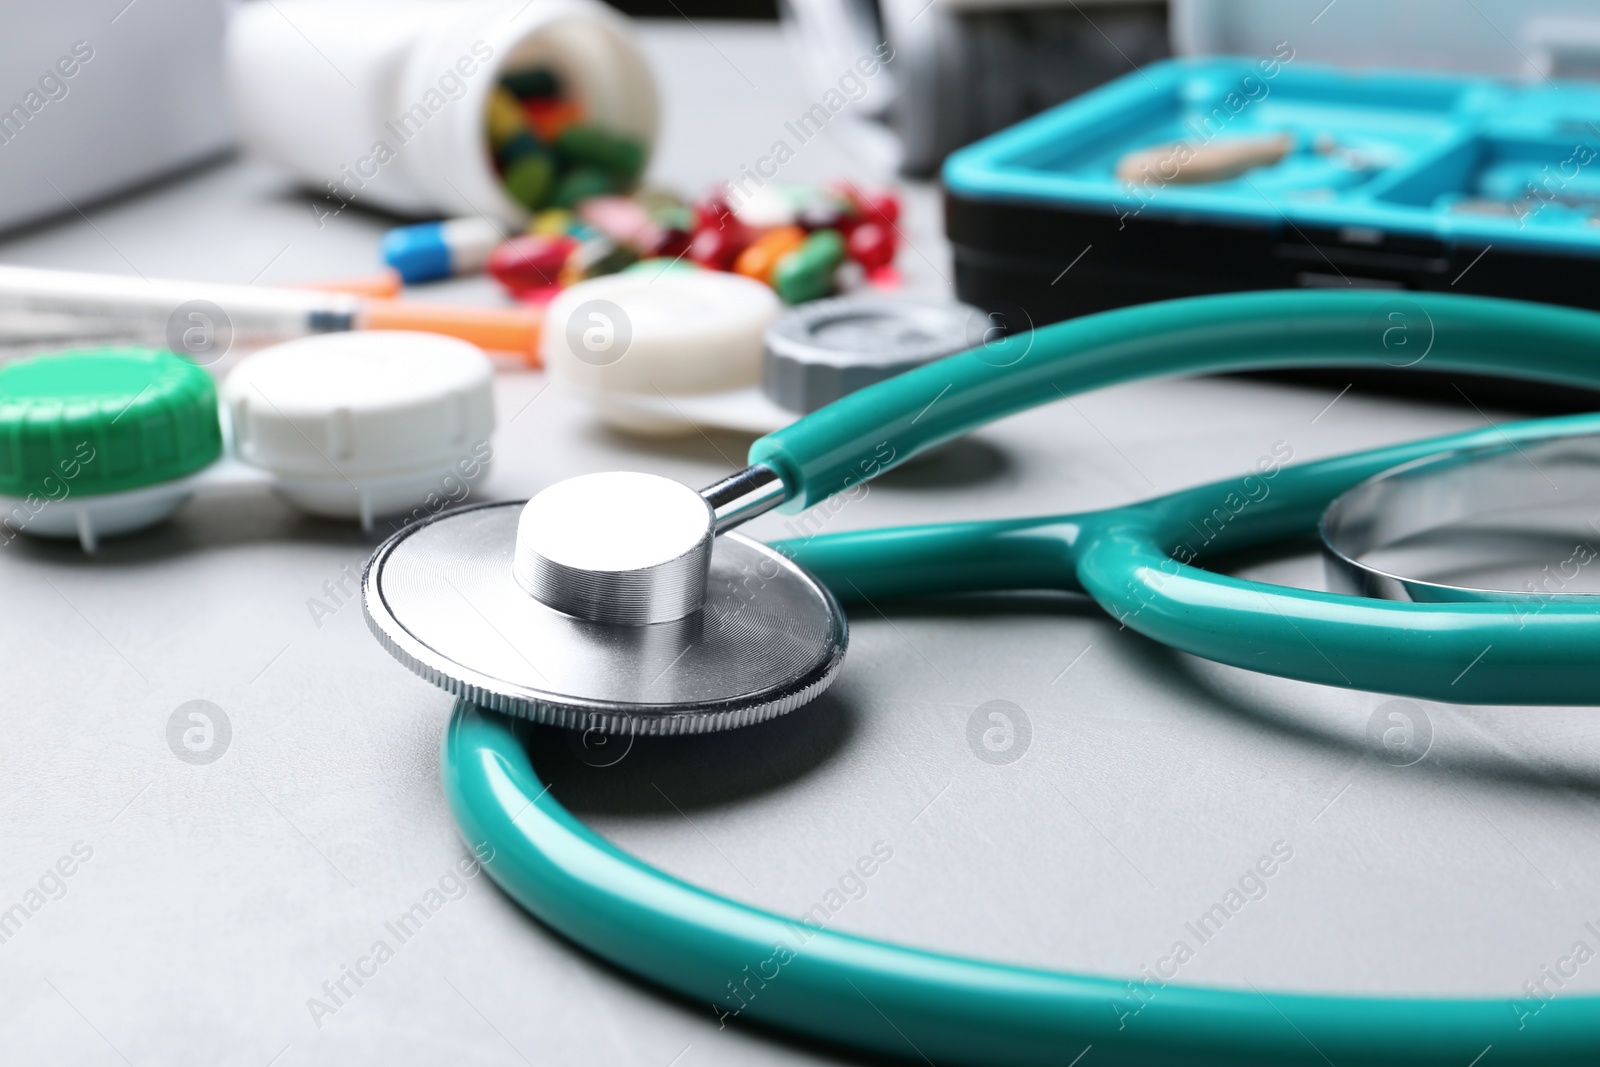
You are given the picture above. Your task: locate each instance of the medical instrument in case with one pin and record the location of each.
(1340, 180)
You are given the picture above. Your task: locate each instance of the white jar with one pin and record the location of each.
(383, 104)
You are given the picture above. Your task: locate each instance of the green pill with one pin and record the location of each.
(532, 82)
(661, 264)
(807, 272)
(580, 183)
(529, 180)
(592, 146)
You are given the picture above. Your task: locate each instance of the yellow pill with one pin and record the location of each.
(505, 116)
(551, 222)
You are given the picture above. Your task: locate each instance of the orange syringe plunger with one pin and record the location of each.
(384, 284)
(498, 329)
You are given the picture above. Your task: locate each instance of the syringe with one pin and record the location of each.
(48, 309)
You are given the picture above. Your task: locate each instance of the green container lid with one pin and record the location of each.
(104, 420)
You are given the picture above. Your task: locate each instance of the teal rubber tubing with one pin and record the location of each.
(917, 1005)
(881, 426)
(1482, 653)
(1539, 652)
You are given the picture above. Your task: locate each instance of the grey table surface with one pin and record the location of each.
(216, 900)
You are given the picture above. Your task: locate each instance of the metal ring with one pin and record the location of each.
(1445, 489)
(827, 349)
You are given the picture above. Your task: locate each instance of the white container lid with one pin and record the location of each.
(360, 404)
(659, 332)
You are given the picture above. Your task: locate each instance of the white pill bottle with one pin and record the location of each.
(382, 103)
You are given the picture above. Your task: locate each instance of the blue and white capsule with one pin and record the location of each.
(429, 251)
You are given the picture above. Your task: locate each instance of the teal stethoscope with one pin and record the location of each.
(652, 595)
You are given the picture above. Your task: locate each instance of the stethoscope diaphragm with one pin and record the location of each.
(442, 598)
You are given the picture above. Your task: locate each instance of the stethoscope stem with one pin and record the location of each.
(743, 495)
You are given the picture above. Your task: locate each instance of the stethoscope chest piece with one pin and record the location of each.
(497, 606)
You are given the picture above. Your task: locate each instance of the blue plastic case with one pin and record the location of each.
(1395, 180)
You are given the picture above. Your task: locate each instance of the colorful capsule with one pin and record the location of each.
(618, 217)
(760, 258)
(550, 222)
(882, 207)
(531, 82)
(768, 207)
(428, 251)
(871, 244)
(659, 265)
(579, 184)
(549, 118)
(504, 117)
(582, 227)
(807, 272)
(669, 241)
(529, 262)
(548, 155)
(717, 249)
(531, 180)
(713, 213)
(884, 277)
(591, 146)
(518, 146)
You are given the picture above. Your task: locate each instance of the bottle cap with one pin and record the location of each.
(659, 333)
(104, 420)
(349, 406)
(819, 352)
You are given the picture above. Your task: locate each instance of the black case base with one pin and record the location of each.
(1032, 265)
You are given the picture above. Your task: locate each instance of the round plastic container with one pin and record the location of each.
(384, 104)
(365, 423)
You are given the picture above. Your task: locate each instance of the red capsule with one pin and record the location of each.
(871, 244)
(860, 206)
(668, 241)
(882, 207)
(713, 213)
(850, 215)
(717, 249)
(530, 262)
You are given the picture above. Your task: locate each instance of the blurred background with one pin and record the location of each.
(962, 68)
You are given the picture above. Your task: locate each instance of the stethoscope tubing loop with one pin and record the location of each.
(742, 965)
